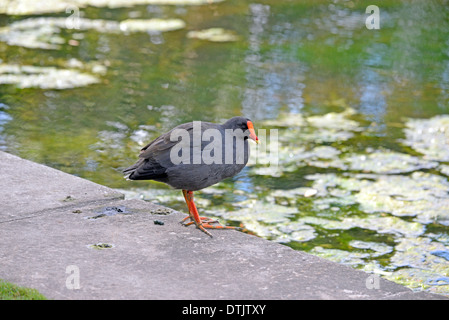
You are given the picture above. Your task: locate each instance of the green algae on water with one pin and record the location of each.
(44, 32)
(421, 195)
(24, 76)
(387, 162)
(214, 35)
(27, 7)
(429, 137)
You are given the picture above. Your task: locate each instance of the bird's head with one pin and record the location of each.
(245, 124)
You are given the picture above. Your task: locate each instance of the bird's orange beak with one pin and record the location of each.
(252, 133)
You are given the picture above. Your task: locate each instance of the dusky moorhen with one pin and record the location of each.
(193, 156)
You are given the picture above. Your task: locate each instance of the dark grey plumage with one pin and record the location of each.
(155, 159)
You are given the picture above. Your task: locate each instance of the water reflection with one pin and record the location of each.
(444, 80)
(373, 86)
(4, 118)
(255, 102)
(275, 77)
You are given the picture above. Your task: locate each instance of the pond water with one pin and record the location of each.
(361, 115)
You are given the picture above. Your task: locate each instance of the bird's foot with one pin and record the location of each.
(206, 223)
(204, 220)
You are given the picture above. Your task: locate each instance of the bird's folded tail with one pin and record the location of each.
(144, 169)
(128, 172)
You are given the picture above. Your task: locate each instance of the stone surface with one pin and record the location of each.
(28, 188)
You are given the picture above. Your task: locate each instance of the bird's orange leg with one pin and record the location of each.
(201, 222)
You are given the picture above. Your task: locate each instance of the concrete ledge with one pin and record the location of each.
(27, 188)
(42, 235)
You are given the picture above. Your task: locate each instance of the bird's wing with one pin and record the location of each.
(159, 148)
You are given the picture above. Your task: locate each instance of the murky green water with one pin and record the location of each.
(361, 114)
